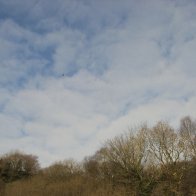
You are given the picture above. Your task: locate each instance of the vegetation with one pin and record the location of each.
(155, 161)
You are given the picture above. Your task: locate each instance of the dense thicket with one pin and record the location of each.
(158, 160)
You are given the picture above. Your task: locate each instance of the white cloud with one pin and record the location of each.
(124, 63)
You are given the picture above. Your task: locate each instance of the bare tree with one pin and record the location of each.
(62, 170)
(17, 165)
(167, 150)
(127, 156)
(164, 144)
(188, 136)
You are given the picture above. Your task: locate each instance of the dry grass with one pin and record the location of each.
(78, 186)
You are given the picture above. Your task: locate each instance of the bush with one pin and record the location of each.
(16, 165)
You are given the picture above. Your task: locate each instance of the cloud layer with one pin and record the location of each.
(74, 73)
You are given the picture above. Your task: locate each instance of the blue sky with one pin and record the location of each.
(76, 72)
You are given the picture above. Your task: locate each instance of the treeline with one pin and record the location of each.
(158, 160)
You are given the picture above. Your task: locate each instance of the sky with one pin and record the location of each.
(74, 73)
